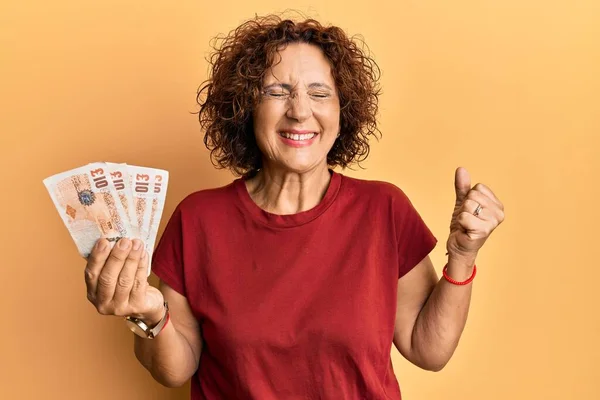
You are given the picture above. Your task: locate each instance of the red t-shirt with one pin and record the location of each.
(294, 306)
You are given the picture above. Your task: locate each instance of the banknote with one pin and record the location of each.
(141, 181)
(149, 188)
(112, 201)
(159, 191)
(89, 206)
(121, 179)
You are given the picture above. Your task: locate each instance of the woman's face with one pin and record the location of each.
(298, 117)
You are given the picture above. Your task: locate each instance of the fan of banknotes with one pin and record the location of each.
(111, 201)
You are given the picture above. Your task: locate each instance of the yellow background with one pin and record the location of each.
(508, 89)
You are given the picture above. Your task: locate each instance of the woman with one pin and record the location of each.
(293, 281)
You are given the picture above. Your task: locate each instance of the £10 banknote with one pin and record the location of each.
(110, 201)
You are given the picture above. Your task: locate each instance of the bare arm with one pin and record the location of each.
(431, 313)
(117, 284)
(173, 356)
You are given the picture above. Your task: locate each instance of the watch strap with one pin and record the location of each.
(150, 332)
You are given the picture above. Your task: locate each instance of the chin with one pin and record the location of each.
(299, 166)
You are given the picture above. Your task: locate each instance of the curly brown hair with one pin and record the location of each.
(237, 68)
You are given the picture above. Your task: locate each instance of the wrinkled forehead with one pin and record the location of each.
(299, 63)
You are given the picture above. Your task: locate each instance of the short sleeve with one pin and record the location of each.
(167, 261)
(415, 240)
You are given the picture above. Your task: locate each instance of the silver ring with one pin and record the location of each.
(477, 210)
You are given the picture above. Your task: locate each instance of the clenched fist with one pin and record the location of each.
(477, 212)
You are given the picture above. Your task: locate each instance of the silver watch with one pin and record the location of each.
(140, 328)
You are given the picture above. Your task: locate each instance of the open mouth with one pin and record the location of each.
(298, 137)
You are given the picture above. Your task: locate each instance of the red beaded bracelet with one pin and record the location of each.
(457, 282)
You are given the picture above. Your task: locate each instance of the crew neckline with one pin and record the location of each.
(288, 220)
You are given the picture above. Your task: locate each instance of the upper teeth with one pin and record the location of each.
(295, 136)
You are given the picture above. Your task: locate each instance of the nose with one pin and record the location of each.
(299, 107)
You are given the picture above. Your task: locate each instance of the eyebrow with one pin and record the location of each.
(287, 86)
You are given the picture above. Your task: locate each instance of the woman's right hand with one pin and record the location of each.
(117, 282)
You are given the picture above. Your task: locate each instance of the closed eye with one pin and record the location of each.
(275, 94)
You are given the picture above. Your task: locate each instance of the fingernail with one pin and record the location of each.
(124, 244)
(101, 245)
(137, 244)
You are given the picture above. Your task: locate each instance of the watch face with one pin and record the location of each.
(135, 328)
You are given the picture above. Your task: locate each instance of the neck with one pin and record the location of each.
(283, 192)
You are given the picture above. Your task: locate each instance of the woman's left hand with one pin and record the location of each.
(477, 212)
